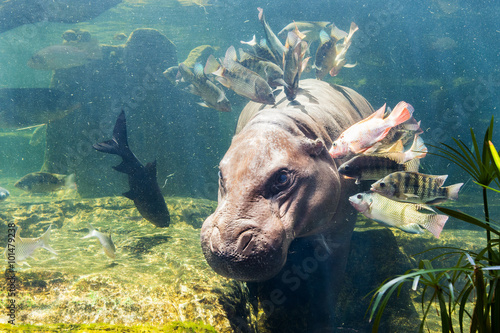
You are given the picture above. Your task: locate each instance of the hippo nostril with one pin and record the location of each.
(244, 241)
(215, 240)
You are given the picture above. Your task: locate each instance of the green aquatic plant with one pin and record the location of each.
(467, 291)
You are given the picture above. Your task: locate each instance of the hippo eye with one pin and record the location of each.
(281, 181)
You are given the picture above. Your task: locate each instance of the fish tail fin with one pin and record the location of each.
(69, 181)
(119, 144)
(435, 224)
(452, 191)
(45, 238)
(417, 150)
(401, 113)
(91, 231)
(261, 14)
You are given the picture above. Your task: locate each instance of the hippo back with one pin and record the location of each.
(334, 107)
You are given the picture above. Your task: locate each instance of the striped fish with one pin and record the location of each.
(105, 240)
(416, 187)
(374, 167)
(25, 247)
(411, 218)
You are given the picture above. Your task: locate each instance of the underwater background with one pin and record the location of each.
(440, 56)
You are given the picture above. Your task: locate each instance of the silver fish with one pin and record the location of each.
(105, 240)
(64, 56)
(411, 218)
(293, 62)
(241, 80)
(274, 43)
(212, 96)
(25, 247)
(310, 28)
(414, 187)
(4, 194)
(40, 182)
(342, 48)
(327, 50)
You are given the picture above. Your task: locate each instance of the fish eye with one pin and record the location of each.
(359, 196)
(382, 184)
(220, 175)
(334, 144)
(346, 167)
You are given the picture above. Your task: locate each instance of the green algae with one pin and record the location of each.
(177, 326)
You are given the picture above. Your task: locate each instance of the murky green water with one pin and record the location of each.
(440, 56)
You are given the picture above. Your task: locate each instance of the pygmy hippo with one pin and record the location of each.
(277, 182)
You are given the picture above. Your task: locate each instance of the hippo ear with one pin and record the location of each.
(314, 147)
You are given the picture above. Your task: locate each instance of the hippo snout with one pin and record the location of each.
(243, 250)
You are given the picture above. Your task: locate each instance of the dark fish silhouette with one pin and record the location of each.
(144, 189)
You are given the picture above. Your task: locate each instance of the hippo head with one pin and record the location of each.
(277, 182)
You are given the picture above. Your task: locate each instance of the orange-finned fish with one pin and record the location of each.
(367, 132)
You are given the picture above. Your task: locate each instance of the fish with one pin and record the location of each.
(327, 50)
(374, 167)
(341, 50)
(4, 194)
(367, 132)
(41, 182)
(23, 248)
(63, 56)
(265, 68)
(144, 189)
(414, 187)
(310, 28)
(106, 241)
(240, 79)
(293, 62)
(15, 13)
(395, 152)
(201, 86)
(261, 50)
(411, 218)
(274, 43)
(23, 107)
(378, 165)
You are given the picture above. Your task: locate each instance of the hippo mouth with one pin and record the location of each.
(245, 253)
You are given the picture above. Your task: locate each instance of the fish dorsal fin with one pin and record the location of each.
(377, 114)
(231, 54)
(440, 179)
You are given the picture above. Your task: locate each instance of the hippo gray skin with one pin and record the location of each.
(277, 182)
